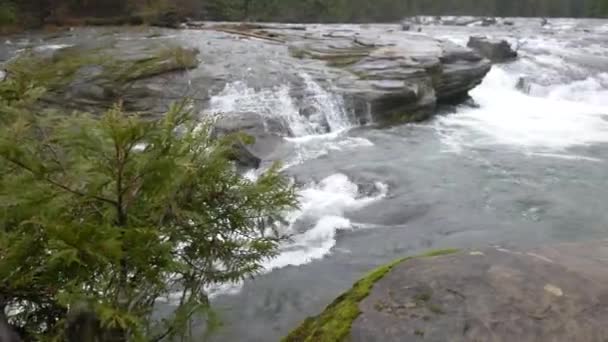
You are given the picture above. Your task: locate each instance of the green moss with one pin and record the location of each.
(343, 61)
(334, 323)
(339, 59)
(422, 297)
(436, 309)
(162, 61)
(51, 72)
(58, 70)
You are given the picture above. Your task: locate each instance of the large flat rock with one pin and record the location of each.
(146, 75)
(556, 293)
(399, 76)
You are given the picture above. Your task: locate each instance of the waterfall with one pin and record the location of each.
(328, 108)
(324, 111)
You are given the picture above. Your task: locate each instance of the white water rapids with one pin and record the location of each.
(323, 204)
(561, 105)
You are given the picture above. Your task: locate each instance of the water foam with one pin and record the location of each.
(326, 110)
(273, 103)
(322, 212)
(323, 205)
(565, 115)
(314, 226)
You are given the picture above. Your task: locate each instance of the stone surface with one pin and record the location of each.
(450, 20)
(524, 85)
(497, 51)
(267, 134)
(94, 75)
(557, 293)
(399, 77)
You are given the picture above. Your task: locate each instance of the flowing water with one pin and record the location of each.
(526, 165)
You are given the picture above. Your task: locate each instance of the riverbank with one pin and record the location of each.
(555, 293)
(521, 164)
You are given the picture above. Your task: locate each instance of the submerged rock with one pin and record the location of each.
(497, 51)
(266, 136)
(524, 85)
(554, 293)
(488, 22)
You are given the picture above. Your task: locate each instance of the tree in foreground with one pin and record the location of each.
(101, 217)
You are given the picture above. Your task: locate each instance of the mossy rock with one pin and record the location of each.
(552, 293)
(334, 323)
(96, 76)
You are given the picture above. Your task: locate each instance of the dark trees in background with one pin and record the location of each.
(305, 10)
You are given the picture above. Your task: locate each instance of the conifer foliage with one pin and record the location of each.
(100, 217)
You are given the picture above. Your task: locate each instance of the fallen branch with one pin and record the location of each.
(249, 34)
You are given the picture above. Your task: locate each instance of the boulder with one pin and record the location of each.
(395, 78)
(524, 85)
(488, 22)
(498, 51)
(554, 293)
(266, 133)
(544, 22)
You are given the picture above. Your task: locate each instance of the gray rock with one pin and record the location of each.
(544, 22)
(146, 75)
(498, 51)
(523, 84)
(488, 22)
(267, 134)
(397, 78)
(555, 293)
(460, 21)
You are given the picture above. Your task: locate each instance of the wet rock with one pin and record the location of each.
(508, 23)
(488, 22)
(460, 21)
(544, 22)
(524, 85)
(397, 78)
(498, 51)
(266, 133)
(554, 293)
(146, 75)
(405, 26)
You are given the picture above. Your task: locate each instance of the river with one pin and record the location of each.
(522, 164)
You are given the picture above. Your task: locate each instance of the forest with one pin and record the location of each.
(31, 12)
